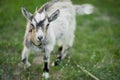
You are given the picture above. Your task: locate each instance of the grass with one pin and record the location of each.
(96, 47)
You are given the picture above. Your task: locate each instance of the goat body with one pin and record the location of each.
(41, 37)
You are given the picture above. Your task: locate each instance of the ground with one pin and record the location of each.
(96, 47)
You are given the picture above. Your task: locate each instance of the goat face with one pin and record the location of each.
(39, 24)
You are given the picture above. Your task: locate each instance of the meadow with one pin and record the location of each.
(96, 48)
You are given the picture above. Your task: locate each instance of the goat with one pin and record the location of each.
(53, 24)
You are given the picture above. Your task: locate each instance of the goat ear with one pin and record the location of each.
(26, 14)
(54, 15)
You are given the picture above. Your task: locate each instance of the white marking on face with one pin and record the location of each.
(39, 16)
(33, 22)
(39, 33)
(46, 22)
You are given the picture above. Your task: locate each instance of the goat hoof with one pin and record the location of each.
(53, 64)
(45, 75)
(56, 63)
(28, 64)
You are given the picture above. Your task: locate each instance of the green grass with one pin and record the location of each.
(96, 47)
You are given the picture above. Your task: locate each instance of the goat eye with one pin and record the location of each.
(32, 25)
(47, 26)
(30, 30)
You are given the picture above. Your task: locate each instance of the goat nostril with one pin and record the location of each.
(40, 38)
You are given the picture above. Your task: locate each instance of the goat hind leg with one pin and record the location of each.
(62, 52)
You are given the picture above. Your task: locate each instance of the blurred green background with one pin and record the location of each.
(96, 47)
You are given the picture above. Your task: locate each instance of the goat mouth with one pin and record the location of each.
(39, 43)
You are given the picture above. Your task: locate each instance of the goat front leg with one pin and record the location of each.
(46, 58)
(48, 48)
(46, 66)
(25, 54)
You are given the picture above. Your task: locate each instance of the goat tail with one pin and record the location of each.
(84, 9)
